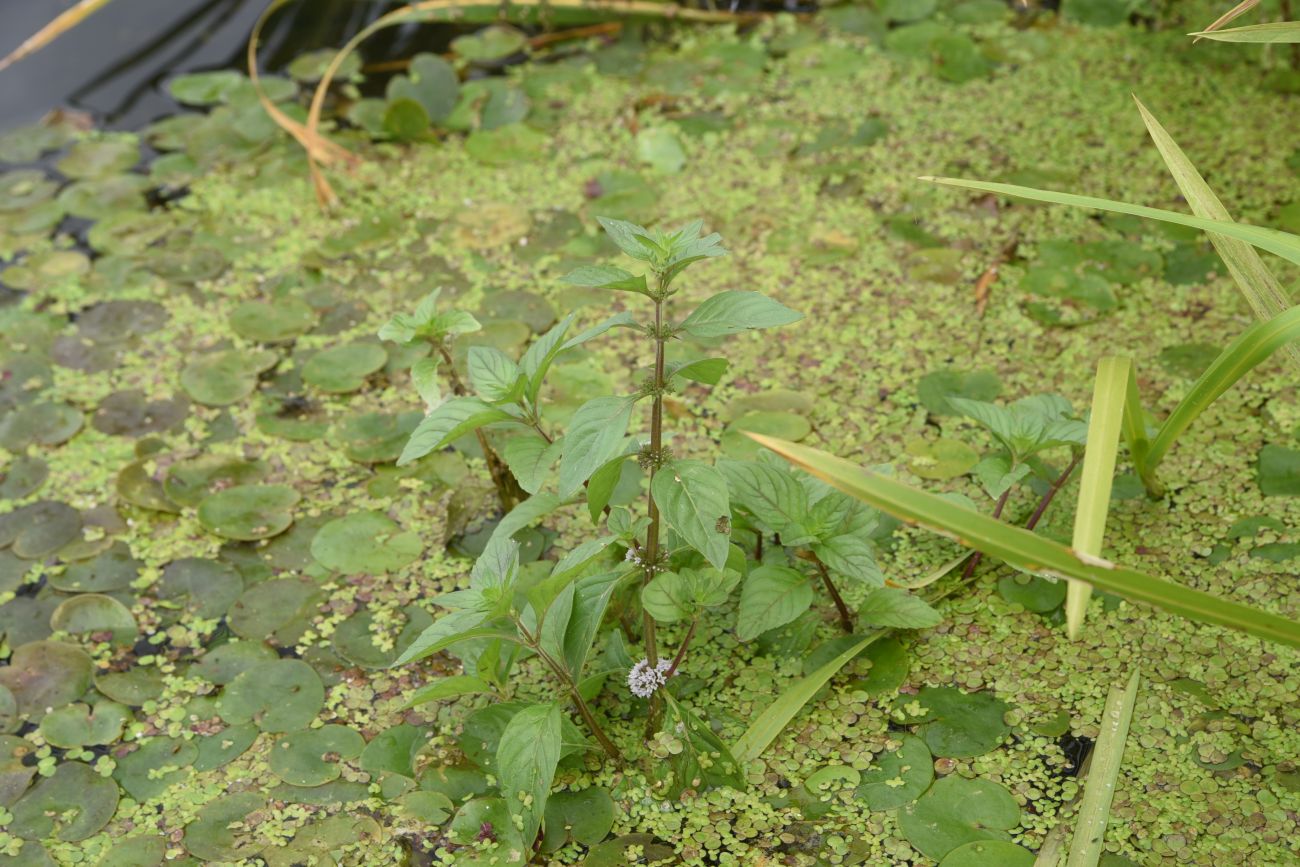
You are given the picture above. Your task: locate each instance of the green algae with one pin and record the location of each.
(812, 211)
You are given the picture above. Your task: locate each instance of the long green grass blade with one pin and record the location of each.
(1103, 773)
(1024, 550)
(1097, 476)
(1264, 294)
(1257, 343)
(1227, 17)
(1279, 31)
(1283, 244)
(778, 714)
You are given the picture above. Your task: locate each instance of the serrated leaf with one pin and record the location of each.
(771, 494)
(897, 609)
(632, 239)
(495, 376)
(680, 595)
(595, 436)
(591, 598)
(772, 596)
(424, 375)
(851, 555)
(601, 485)
(530, 459)
(527, 756)
(608, 277)
(448, 687)
(734, 311)
(704, 370)
(449, 421)
(693, 500)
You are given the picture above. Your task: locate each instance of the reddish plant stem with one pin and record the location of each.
(846, 617)
(1039, 511)
(651, 555)
(508, 488)
(681, 651)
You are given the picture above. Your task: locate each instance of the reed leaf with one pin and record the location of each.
(1027, 551)
(1263, 34)
(62, 23)
(1228, 17)
(1103, 773)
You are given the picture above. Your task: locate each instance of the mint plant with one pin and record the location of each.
(673, 558)
(439, 330)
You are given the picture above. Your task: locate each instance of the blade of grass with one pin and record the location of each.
(1228, 17)
(1283, 244)
(1027, 551)
(1264, 294)
(1256, 344)
(1098, 474)
(1099, 788)
(1265, 34)
(61, 24)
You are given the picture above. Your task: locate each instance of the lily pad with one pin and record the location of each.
(22, 477)
(376, 437)
(490, 225)
(223, 747)
(47, 424)
(354, 638)
(98, 158)
(249, 512)
(114, 569)
(130, 413)
(936, 387)
(138, 851)
(158, 764)
(956, 811)
(489, 44)
(272, 322)
(45, 675)
(941, 459)
(226, 377)
(280, 609)
(95, 613)
(15, 773)
(224, 663)
(343, 369)
(1278, 471)
(199, 588)
(774, 423)
(189, 482)
(960, 724)
(897, 777)
(365, 543)
(71, 805)
(211, 836)
(311, 757)
(134, 687)
(987, 853)
(278, 696)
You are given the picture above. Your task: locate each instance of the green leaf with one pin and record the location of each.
(1266, 34)
(451, 420)
(632, 239)
(1103, 775)
(704, 762)
(448, 687)
(424, 375)
(523, 515)
(692, 497)
(602, 484)
(444, 633)
(530, 459)
(595, 435)
(1026, 550)
(959, 724)
(681, 595)
(997, 475)
(495, 377)
(1262, 290)
(526, 760)
(1097, 475)
(956, 811)
(1283, 244)
(734, 311)
(1277, 470)
(851, 555)
(772, 596)
(608, 277)
(898, 609)
(772, 495)
(704, 370)
(591, 598)
(1029, 425)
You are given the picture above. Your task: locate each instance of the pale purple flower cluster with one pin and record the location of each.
(643, 680)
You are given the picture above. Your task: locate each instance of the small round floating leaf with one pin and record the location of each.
(613, 853)
(343, 369)
(941, 459)
(956, 811)
(136, 852)
(135, 485)
(311, 757)
(936, 387)
(429, 808)
(22, 477)
(44, 675)
(584, 817)
(365, 542)
(9, 718)
(392, 750)
(272, 322)
(278, 609)
(189, 482)
(90, 613)
(210, 836)
(158, 763)
(202, 588)
(98, 158)
(960, 724)
(314, 843)
(328, 794)
(494, 42)
(226, 377)
(114, 569)
(224, 747)
(249, 512)
(47, 424)
(278, 696)
(24, 188)
(71, 805)
(1031, 592)
(15, 774)
(774, 423)
(26, 619)
(988, 853)
(376, 437)
(222, 664)
(80, 725)
(475, 815)
(128, 413)
(898, 777)
(133, 687)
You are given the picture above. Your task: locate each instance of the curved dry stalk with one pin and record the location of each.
(322, 152)
(61, 24)
(1227, 17)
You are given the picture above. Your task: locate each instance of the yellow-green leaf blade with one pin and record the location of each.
(1099, 788)
(1261, 34)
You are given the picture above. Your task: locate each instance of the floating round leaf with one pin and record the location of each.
(279, 609)
(773, 423)
(47, 424)
(375, 437)
(137, 486)
(311, 757)
(474, 816)
(494, 42)
(224, 378)
(224, 663)
(249, 512)
(961, 724)
(315, 843)
(71, 805)
(278, 696)
(211, 836)
(114, 569)
(941, 459)
(95, 198)
(224, 747)
(139, 851)
(584, 817)
(101, 157)
(46, 269)
(202, 588)
(189, 482)
(897, 777)
(956, 811)
(129, 413)
(1032, 592)
(22, 477)
(9, 717)
(24, 188)
(989, 853)
(272, 322)
(44, 675)
(79, 725)
(343, 369)
(15, 773)
(613, 853)
(489, 225)
(27, 619)
(134, 687)
(365, 542)
(95, 613)
(392, 750)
